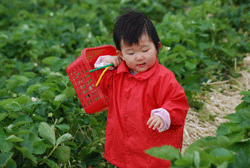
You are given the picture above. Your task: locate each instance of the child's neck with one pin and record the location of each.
(133, 72)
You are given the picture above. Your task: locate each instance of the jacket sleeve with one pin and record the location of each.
(171, 96)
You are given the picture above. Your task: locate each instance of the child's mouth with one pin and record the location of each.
(141, 65)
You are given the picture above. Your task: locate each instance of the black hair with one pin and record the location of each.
(130, 26)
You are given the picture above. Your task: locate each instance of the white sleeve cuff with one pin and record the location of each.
(99, 63)
(165, 117)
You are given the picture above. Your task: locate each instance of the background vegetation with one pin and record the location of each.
(42, 121)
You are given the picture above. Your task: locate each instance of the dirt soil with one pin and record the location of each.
(220, 102)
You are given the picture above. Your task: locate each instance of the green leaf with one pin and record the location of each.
(172, 56)
(62, 153)
(229, 52)
(204, 46)
(32, 158)
(206, 159)
(242, 159)
(50, 3)
(3, 116)
(24, 131)
(186, 160)
(50, 60)
(16, 106)
(4, 145)
(51, 163)
(21, 123)
(33, 88)
(47, 133)
(57, 65)
(63, 127)
(69, 91)
(192, 87)
(38, 118)
(4, 157)
(23, 150)
(190, 53)
(94, 133)
(197, 159)
(223, 165)
(11, 164)
(24, 99)
(179, 48)
(227, 128)
(39, 148)
(246, 99)
(191, 64)
(14, 138)
(221, 155)
(165, 152)
(93, 120)
(60, 97)
(246, 93)
(48, 95)
(63, 138)
(192, 43)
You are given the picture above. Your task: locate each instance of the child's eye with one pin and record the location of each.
(145, 51)
(130, 53)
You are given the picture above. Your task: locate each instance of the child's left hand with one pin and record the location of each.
(156, 121)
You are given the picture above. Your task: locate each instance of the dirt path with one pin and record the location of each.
(221, 101)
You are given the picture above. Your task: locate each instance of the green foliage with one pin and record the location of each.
(230, 147)
(42, 121)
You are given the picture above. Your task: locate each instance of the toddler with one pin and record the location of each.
(147, 106)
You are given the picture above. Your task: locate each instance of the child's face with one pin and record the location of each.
(139, 57)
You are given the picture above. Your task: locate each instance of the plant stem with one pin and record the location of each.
(49, 154)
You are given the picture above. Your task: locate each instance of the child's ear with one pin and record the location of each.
(159, 46)
(119, 53)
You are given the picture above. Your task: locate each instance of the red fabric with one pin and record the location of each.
(131, 100)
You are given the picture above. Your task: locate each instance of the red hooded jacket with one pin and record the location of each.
(131, 100)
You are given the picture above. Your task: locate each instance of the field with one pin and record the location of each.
(206, 44)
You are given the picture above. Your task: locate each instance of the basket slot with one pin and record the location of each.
(93, 54)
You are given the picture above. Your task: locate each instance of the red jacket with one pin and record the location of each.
(131, 100)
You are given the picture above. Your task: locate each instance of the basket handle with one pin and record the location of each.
(101, 67)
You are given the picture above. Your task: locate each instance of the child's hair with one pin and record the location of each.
(130, 26)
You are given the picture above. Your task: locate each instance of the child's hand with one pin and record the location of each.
(116, 60)
(156, 121)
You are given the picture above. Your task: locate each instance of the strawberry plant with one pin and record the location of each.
(42, 120)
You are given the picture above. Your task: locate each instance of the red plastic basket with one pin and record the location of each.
(90, 96)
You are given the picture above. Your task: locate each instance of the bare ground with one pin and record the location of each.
(220, 102)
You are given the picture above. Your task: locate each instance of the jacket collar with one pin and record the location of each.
(123, 68)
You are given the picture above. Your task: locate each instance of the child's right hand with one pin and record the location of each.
(116, 60)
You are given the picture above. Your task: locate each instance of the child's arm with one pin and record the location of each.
(172, 98)
(106, 80)
(173, 105)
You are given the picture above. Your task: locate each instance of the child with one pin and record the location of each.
(143, 96)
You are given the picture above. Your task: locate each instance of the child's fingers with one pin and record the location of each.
(157, 124)
(151, 122)
(117, 62)
(161, 126)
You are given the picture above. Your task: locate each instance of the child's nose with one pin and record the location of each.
(139, 56)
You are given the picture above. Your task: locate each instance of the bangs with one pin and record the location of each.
(130, 27)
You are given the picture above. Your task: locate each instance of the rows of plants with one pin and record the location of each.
(42, 122)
